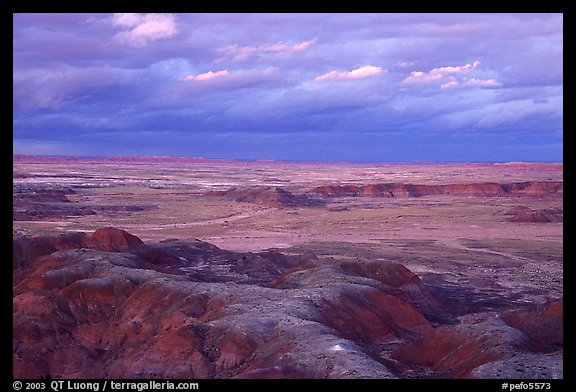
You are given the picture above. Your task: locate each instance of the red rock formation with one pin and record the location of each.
(539, 188)
(398, 190)
(399, 281)
(487, 189)
(450, 353)
(41, 196)
(96, 312)
(26, 249)
(543, 324)
(377, 190)
(480, 189)
(336, 191)
(83, 309)
(371, 316)
(392, 274)
(455, 351)
(269, 197)
(416, 190)
(235, 348)
(527, 215)
(116, 240)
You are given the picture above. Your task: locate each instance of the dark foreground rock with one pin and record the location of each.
(108, 305)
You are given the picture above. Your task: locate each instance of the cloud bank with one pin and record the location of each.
(360, 87)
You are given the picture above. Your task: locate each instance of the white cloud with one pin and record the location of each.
(127, 20)
(456, 69)
(358, 73)
(473, 82)
(243, 53)
(417, 77)
(446, 79)
(144, 28)
(210, 75)
(470, 83)
(234, 79)
(450, 84)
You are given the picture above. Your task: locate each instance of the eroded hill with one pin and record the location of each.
(109, 305)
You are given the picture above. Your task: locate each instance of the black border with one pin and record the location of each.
(553, 6)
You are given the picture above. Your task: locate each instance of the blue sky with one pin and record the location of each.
(335, 87)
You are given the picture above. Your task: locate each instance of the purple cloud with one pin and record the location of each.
(471, 83)
(144, 28)
(281, 50)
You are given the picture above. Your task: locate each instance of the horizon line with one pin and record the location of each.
(260, 160)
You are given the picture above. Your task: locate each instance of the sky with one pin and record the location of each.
(297, 87)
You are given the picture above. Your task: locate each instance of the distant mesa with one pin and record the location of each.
(274, 197)
(486, 189)
(41, 195)
(33, 203)
(278, 197)
(524, 214)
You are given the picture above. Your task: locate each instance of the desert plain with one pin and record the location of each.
(193, 268)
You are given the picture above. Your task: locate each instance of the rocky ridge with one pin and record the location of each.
(277, 197)
(486, 189)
